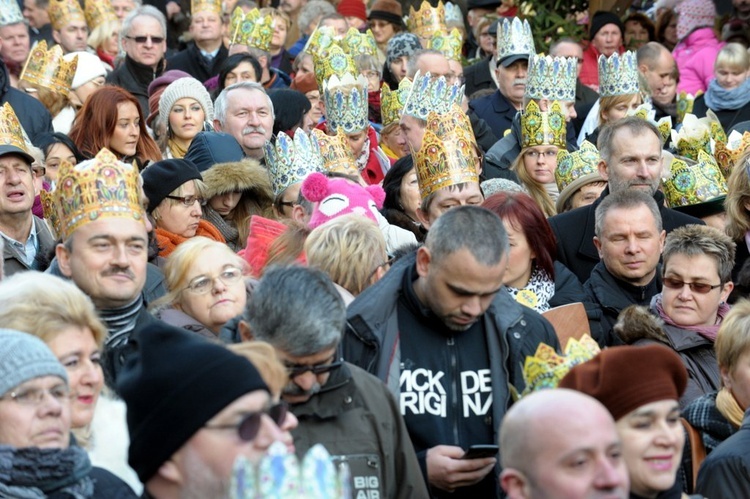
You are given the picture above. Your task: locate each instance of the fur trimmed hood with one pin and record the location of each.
(243, 176)
(637, 323)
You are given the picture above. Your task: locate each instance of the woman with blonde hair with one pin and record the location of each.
(737, 205)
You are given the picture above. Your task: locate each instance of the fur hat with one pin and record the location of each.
(246, 176)
(327, 193)
(89, 67)
(24, 357)
(186, 88)
(388, 10)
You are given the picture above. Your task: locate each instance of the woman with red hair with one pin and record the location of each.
(111, 117)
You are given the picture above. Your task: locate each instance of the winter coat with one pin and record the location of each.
(727, 117)
(135, 78)
(279, 79)
(33, 116)
(180, 319)
(695, 56)
(496, 110)
(14, 262)
(193, 63)
(574, 231)
(400, 219)
(726, 471)
(590, 69)
(359, 422)
(478, 77)
(482, 132)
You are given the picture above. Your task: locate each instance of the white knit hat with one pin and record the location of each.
(182, 88)
(89, 67)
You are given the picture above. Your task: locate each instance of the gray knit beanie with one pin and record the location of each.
(24, 357)
(182, 88)
(400, 45)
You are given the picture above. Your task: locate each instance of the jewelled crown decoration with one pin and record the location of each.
(346, 103)
(552, 78)
(429, 94)
(63, 12)
(353, 43)
(392, 101)
(427, 20)
(356, 43)
(514, 38)
(336, 152)
(205, 6)
(98, 12)
(251, 29)
(48, 69)
(728, 153)
(10, 13)
(694, 183)
(453, 15)
(547, 368)
(696, 135)
(11, 131)
(448, 44)
(543, 127)
(578, 164)
(99, 188)
(290, 160)
(646, 112)
(685, 102)
(448, 153)
(618, 75)
(336, 62)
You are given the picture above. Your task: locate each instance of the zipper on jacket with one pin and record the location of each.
(454, 388)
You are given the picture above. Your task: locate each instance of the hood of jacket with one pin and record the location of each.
(636, 323)
(210, 148)
(239, 176)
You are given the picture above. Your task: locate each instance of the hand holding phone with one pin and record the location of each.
(481, 451)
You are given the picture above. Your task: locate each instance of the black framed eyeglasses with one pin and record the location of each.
(298, 370)
(156, 40)
(249, 425)
(188, 200)
(701, 288)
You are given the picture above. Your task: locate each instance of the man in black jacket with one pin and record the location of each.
(726, 471)
(631, 158)
(206, 53)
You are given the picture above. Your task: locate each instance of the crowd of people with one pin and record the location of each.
(340, 249)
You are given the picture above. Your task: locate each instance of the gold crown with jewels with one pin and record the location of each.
(692, 183)
(290, 160)
(696, 135)
(427, 20)
(450, 44)
(336, 152)
(543, 127)
(98, 12)
(392, 101)
(336, 62)
(63, 12)
(48, 68)
(11, 131)
(251, 29)
(205, 6)
(728, 153)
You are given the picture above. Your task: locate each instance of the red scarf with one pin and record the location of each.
(168, 241)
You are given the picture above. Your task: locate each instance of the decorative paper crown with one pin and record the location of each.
(427, 20)
(448, 44)
(63, 12)
(98, 12)
(453, 15)
(694, 183)
(574, 165)
(543, 127)
(356, 43)
(552, 78)
(10, 13)
(335, 62)
(685, 103)
(346, 103)
(514, 38)
(48, 69)
(11, 131)
(205, 6)
(392, 102)
(448, 153)
(696, 134)
(251, 29)
(428, 94)
(336, 152)
(290, 160)
(646, 112)
(727, 153)
(280, 476)
(546, 368)
(102, 187)
(618, 75)
(353, 43)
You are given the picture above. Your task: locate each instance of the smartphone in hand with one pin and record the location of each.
(481, 451)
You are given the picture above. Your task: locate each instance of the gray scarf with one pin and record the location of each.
(33, 473)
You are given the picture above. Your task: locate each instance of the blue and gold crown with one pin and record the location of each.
(448, 154)
(694, 183)
(540, 128)
(392, 102)
(290, 160)
(346, 103)
(428, 94)
(427, 20)
(251, 29)
(63, 12)
(336, 152)
(514, 38)
(102, 187)
(552, 78)
(618, 75)
(547, 368)
(449, 44)
(48, 68)
(10, 13)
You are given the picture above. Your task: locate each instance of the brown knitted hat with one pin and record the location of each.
(305, 83)
(627, 377)
(387, 10)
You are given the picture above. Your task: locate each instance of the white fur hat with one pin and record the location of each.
(89, 67)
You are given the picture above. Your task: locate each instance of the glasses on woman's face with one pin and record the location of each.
(701, 288)
(249, 425)
(34, 397)
(188, 201)
(535, 154)
(203, 283)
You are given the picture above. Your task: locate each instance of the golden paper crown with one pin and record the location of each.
(102, 187)
(335, 63)
(449, 44)
(696, 134)
(337, 153)
(48, 69)
(251, 29)
(728, 153)
(543, 127)
(448, 153)
(546, 368)
(205, 6)
(694, 183)
(646, 112)
(392, 102)
(427, 20)
(11, 131)
(63, 12)
(574, 165)
(356, 43)
(98, 12)
(685, 103)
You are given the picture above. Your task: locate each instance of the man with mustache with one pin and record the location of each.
(245, 112)
(299, 312)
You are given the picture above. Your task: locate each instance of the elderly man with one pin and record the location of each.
(547, 429)
(245, 112)
(191, 417)
(465, 346)
(629, 239)
(658, 67)
(27, 238)
(631, 158)
(14, 39)
(143, 38)
(300, 313)
(606, 33)
(205, 54)
(35, 13)
(69, 29)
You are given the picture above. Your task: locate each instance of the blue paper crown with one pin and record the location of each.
(290, 160)
(514, 38)
(429, 94)
(552, 78)
(346, 103)
(618, 75)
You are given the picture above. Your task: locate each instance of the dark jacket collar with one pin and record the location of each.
(141, 73)
(332, 399)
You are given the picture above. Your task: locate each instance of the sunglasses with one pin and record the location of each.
(156, 40)
(696, 287)
(298, 370)
(248, 427)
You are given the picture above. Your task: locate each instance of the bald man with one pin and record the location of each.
(561, 444)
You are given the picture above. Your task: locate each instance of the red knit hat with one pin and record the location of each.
(352, 8)
(628, 377)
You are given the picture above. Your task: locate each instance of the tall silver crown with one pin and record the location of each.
(431, 94)
(10, 13)
(514, 38)
(618, 75)
(291, 160)
(552, 78)
(346, 103)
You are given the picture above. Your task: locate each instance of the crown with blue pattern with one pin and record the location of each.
(429, 94)
(10, 13)
(552, 78)
(514, 38)
(618, 75)
(346, 103)
(290, 160)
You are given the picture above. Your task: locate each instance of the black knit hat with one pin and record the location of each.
(602, 18)
(176, 383)
(290, 107)
(163, 177)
